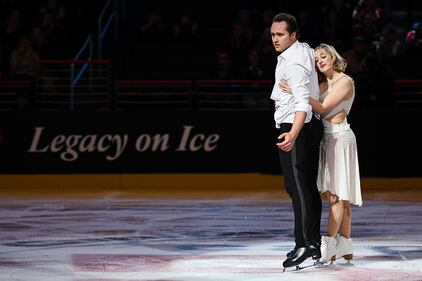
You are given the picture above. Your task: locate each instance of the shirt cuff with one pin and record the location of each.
(303, 107)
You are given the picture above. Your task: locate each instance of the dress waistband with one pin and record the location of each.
(330, 128)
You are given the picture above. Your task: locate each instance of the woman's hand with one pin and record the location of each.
(284, 86)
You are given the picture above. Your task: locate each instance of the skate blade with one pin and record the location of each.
(297, 268)
(345, 263)
(327, 264)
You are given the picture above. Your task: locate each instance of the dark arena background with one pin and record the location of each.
(137, 139)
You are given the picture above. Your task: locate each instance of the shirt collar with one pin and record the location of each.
(289, 52)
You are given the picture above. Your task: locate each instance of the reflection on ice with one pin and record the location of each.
(222, 239)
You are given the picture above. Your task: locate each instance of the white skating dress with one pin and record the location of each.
(338, 159)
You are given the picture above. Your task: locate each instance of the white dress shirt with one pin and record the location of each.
(296, 65)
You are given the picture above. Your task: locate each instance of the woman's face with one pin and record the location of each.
(323, 60)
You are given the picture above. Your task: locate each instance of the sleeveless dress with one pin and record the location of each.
(338, 160)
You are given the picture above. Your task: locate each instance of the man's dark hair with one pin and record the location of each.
(290, 20)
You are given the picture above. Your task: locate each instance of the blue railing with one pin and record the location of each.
(88, 46)
(74, 79)
(102, 30)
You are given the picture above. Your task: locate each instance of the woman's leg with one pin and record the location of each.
(339, 220)
(346, 222)
(329, 243)
(335, 216)
(344, 242)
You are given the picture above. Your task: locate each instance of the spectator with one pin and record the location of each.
(56, 35)
(1, 65)
(410, 35)
(413, 54)
(309, 27)
(336, 24)
(254, 70)
(153, 28)
(367, 20)
(52, 22)
(55, 10)
(185, 30)
(6, 7)
(24, 66)
(238, 43)
(391, 49)
(356, 56)
(13, 28)
(40, 43)
(24, 60)
(414, 41)
(224, 69)
(264, 44)
(244, 19)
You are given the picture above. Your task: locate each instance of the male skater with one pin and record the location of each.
(300, 135)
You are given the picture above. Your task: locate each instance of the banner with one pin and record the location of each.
(129, 142)
(188, 142)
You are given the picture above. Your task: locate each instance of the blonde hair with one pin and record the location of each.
(339, 63)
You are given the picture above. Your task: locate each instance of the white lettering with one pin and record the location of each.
(211, 142)
(88, 143)
(184, 139)
(120, 146)
(69, 147)
(197, 142)
(157, 142)
(143, 142)
(163, 140)
(36, 140)
(101, 147)
(70, 154)
(192, 145)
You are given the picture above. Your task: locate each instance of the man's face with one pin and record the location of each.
(281, 37)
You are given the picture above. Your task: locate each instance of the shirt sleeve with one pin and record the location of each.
(299, 81)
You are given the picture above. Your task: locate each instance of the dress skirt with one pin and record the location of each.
(338, 163)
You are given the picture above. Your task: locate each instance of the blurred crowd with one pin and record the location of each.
(229, 44)
(40, 30)
(218, 42)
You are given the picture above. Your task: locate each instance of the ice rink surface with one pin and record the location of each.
(236, 238)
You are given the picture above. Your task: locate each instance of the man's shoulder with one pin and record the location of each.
(305, 45)
(307, 50)
(303, 53)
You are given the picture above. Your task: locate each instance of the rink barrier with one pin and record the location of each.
(181, 184)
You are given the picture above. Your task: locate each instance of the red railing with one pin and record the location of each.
(16, 95)
(181, 94)
(15, 82)
(408, 92)
(74, 84)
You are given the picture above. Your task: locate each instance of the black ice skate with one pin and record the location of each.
(289, 254)
(300, 255)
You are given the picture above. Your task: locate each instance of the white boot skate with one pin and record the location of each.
(344, 248)
(328, 249)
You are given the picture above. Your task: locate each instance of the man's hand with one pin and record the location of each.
(287, 141)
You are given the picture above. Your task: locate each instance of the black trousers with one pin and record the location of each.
(300, 169)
